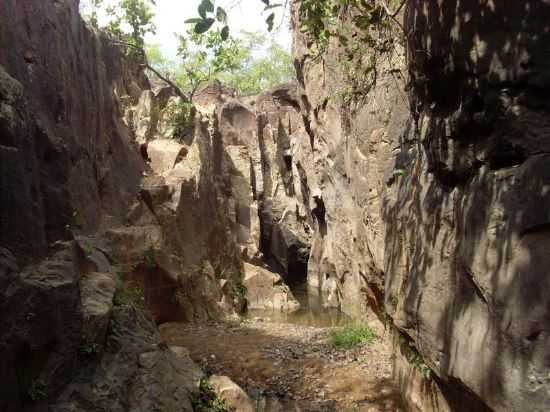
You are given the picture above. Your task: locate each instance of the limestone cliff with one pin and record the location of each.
(435, 198)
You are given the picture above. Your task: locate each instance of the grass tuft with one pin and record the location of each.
(352, 335)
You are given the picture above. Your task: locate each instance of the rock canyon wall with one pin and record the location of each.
(434, 188)
(103, 214)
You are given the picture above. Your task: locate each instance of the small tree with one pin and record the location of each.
(91, 9)
(139, 16)
(129, 21)
(204, 57)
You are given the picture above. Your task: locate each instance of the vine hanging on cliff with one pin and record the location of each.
(363, 35)
(319, 19)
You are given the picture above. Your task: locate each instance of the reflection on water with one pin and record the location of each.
(311, 312)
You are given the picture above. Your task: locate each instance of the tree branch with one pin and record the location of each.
(176, 88)
(396, 12)
(393, 15)
(146, 64)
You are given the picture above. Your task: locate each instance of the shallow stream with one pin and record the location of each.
(311, 312)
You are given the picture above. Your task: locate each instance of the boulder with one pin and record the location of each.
(97, 291)
(136, 372)
(165, 154)
(267, 290)
(232, 394)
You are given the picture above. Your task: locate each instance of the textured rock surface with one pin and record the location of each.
(136, 372)
(231, 393)
(97, 291)
(69, 165)
(66, 159)
(355, 146)
(230, 194)
(283, 188)
(428, 202)
(438, 203)
(40, 328)
(266, 290)
(471, 288)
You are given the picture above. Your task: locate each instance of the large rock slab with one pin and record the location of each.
(165, 154)
(136, 372)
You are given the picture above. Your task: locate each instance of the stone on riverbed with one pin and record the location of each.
(266, 290)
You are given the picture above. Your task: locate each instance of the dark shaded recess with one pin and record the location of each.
(298, 258)
(266, 228)
(160, 293)
(288, 161)
(319, 211)
(283, 98)
(307, 125)
(506, 154)
(458, 396)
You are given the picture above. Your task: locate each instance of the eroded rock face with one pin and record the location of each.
(286, 183)
(97, 291)
(227, 195)
(67, 162)
(435, 205)
(135, 371)
(473, 292)
(69, 165)
(354, 145)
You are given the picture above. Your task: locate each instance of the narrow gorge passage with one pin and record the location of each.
(293, 367)
(356, 220)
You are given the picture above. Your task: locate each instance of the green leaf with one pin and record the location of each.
(225, 33)
(204, 25)
(206, 6)
(221, 15)
(270, 21)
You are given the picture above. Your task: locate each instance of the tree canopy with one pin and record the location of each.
(248, 62)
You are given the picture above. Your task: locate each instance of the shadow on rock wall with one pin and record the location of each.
(467, 250)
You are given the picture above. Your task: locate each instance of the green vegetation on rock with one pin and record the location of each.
(130, 296)
(88, 350)
(206, 400)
